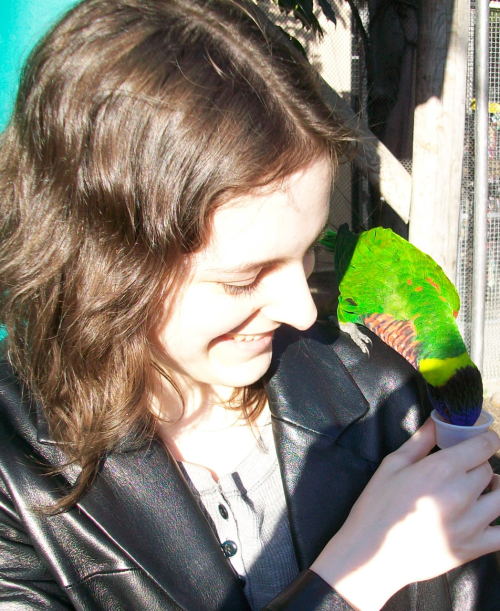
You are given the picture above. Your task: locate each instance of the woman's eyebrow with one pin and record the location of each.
(245, 268)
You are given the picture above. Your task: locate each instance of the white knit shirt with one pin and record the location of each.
(247, 511)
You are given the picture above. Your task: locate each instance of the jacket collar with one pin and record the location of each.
(314, 400)
(309, 386)
(141, 500)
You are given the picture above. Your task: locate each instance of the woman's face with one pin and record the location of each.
(248, 281)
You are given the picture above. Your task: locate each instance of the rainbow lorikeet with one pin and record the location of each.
(404, 297)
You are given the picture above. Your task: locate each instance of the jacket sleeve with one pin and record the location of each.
(25, 583)
(308, 591)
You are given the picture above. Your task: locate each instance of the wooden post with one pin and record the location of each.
(439, 129)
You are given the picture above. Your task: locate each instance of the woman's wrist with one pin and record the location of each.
(363, 582)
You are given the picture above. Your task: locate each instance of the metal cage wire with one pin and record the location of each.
(344, 67)
(491, 360)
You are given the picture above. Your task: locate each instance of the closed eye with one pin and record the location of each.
(242, 289)
(248, 289)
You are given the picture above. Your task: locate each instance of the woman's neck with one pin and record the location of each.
(204, 431)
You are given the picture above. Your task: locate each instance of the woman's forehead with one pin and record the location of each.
(274, 220)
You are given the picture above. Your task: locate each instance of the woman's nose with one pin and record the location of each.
(289, 299)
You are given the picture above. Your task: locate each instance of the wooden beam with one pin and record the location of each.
(382, 169)
(374, 159)
(439, 129)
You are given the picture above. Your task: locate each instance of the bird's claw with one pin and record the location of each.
(360, 339)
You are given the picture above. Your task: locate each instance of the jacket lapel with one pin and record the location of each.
(329, 407)
(142, 502)
(314, 400)
(309, 386)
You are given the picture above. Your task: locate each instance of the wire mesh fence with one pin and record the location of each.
(491, 362)
(466, 223)
(492, 331)
(340, 58)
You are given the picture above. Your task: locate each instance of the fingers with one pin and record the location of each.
(464, 457)
(495, 483)
(489, 504)
(490, 540)
(419, 444)
(489, 507)
(479, 480)
(471, 453)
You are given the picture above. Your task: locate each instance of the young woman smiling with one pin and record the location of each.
(175, 431)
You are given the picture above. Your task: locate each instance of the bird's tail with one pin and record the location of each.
(343, 244)
(329, 240)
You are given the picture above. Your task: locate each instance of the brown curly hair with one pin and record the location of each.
(134, 121)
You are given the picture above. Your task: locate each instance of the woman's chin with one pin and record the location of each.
(238, 373)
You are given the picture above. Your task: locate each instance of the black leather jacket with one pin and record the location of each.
(138, 539)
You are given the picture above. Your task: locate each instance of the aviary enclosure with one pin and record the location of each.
(404, 72)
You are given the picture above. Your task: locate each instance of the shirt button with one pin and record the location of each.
(223, 511)
(229, 548)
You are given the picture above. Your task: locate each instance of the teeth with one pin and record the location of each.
(247, 338)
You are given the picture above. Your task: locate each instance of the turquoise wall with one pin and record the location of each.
(22, 22)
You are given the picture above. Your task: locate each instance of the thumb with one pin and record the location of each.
(419, 444)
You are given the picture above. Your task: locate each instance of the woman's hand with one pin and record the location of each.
(418, 517)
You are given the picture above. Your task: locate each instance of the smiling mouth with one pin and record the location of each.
(247, 338)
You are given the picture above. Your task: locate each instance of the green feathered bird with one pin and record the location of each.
(404, 297)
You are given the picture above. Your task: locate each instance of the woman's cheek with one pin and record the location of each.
(213, 316)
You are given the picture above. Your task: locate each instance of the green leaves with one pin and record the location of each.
(294, 42)
(326, 7)
(303, 11)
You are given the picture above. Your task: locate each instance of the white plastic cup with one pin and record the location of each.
(448, 435)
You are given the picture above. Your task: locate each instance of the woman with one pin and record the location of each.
(165, 177)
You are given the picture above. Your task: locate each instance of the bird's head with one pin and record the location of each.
(460, 398)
